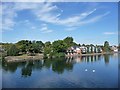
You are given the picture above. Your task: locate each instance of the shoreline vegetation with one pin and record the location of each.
(24, 58)
(25, 50)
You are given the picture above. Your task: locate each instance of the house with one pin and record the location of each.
(83, 49)
(100, 50)
(114, 48)
(75, 50)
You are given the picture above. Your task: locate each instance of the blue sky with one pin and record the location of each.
(87, 23)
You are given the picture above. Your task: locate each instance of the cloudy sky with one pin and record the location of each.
(48, 21)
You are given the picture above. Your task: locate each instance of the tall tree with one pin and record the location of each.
(13, 51)
(69, 41)
(106, 46)
(47, 48)
(59, 46)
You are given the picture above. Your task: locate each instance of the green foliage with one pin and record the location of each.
(24, 45)
(69, 42)
(59, 46)
(47, 44)
(13, 51)
(53, 54)
(106, 46)
(6, 46)
(47, 48)
(55, 49)
(29, 46)
(36, 47)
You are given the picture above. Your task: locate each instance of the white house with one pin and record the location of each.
(114, 48)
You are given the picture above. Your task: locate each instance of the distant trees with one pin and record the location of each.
(50, 49)
(24, 45)
(106, 46)
(30, 46)
(37, 46)
(69, 41)
(47, 48)
(58, 47)
(13, 51)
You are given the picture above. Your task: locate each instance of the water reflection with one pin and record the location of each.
(106, 58)
(58, 65)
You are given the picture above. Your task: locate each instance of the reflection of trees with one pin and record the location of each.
(12, 67)
(0, 63)
(47, 63)
(29, 66)
(58, 65)
(106, 58)
(27, 70)
(37, 65)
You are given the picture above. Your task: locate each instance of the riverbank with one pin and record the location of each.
(90, 54)
(41, 56)
(23, 58)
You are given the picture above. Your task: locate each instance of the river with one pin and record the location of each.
(100, 71)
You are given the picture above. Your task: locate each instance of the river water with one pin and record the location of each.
(99, 71)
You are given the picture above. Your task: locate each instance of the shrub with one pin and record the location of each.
(13, 51)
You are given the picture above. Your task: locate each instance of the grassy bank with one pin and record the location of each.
(23, 58)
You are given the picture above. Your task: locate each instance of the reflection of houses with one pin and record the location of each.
(74, 50)
(114, 48)
(79, 59)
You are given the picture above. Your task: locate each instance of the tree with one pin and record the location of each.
(47, 44)
(30, 46)
(13, 51)
(83, 44)
(24, 45)
(91, 45)
(106, 46)
(69, 41)
(37, 46)
(79, 45)
(47, 48)
(59, 46)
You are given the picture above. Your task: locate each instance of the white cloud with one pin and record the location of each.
(93, 19)
(71, 28)
(46, 12)
(110, 33)
(8, 15)
(44, 29)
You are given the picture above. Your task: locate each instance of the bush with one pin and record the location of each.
(59, 54)
(13, 51)
(45, 56)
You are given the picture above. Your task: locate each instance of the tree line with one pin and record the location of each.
(49, 49)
